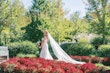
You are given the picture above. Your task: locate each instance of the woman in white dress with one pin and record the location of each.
(58, 51)
(44, 45)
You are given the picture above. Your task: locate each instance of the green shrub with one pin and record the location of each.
(78, 48)
(83, 40)
(24, 47)
(108, 38)
(104, 51)
(26, 55)
(96, 42)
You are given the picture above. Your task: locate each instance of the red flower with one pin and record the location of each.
(88, 67)
(30, 65)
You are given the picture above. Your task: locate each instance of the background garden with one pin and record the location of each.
(83, 38)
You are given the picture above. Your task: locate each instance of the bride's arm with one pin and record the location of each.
(42, 43)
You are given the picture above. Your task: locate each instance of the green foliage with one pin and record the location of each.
(98, 41)
(99, 18)
(3, 17)
(83, 40)
(48, 15)
(108, 39)
(24, 47)
(104, 51)
(11, 68)
(32, 30)
(100, 65)
(78, 48)
(80, 25)
(26, 55)
(12, 18)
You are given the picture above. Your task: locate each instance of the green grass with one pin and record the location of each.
(100, 65)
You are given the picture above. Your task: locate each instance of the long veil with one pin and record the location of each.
(60, 53)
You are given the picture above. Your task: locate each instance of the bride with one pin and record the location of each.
(58, 51)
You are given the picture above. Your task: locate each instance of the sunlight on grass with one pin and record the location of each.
(104, 66)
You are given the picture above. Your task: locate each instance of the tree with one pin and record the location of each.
(12, 16)
(80, 25)
(18, 19)
(3, 17)
(32, 32)
(47, 14)
(98, 16)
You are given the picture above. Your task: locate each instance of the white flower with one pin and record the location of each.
(38, 44)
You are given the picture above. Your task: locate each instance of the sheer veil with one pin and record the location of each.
(60, 53)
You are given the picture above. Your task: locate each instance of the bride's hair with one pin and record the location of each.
(46, 33)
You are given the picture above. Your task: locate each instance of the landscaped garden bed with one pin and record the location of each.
(39, 65)
(94, 59)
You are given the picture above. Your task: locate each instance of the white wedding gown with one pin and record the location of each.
(45, 51)
(58, 51)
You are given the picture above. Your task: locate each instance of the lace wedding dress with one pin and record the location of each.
(58, 51)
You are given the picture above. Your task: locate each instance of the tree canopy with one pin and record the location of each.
(12, 18)
(19, 24)
(48, 15)
(99, 17)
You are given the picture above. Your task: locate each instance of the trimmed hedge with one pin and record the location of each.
(24, 47)
(104, 51)
(78, 48)
(83, 40)
(26, 55)
(96, 42)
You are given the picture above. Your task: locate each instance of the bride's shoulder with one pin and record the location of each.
(42, 38)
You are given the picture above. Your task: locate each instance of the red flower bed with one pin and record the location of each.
(39, 65)
(94, 59)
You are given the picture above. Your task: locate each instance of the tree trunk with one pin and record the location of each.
(0, 40)
(104, 37)
(104, 28)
